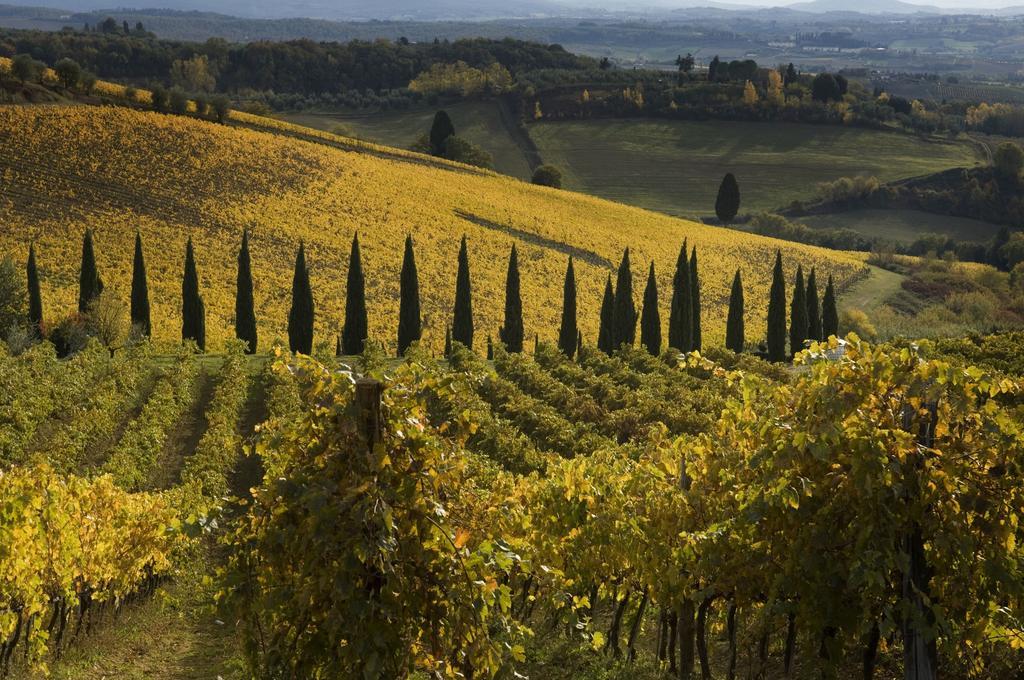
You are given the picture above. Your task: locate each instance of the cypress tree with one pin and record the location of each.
(301, 315)
(462, 321)
(440, 131)
(777, 313)
(89, 282)
(813, 308)
(140, 291)
(410, 323)
(511, 332)
(35, 298)
(798, 314)
(193, 322)
(829, 312)
(568, 332)
(245, 308)
(490, 348)
(680, 322)
(728, 202)
(650, 318)
(605, 337)
(734, 332)
(695, 304)
(624, 311)
(355, 330)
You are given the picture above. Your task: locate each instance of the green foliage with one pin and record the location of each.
(568, 331)
(135, 460)
(410, 587)
(798, 323)
(511, 331)
(650, 319)
(680, 323)
(605, 337)
(814, 331)
(548, 176)
(1008, 160)
(697, 341)
(193, 311)
(462, 319)
(301, 314)
(89, 282)
(140, 292)
(68, 72)
(410, 324)
(734, 331)
(35, 297)
(440, 130)
(727, 205)
(624, 310)
(356, 328)
(245, 311)
(777, 313)
(829, 311)
(13, 298)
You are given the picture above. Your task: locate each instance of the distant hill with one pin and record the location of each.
(864, 7)
(118, 170)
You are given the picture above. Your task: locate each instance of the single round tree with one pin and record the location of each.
(727, 205)
(548, 176)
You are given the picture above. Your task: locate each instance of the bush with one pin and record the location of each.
(1008, 161)
(202, 103)
(159, 98)
(68, 72)
(13, 297)
(177, 101)
(547, 176)
(856, 321)
(221, 106)
(70, 336)
(25, 68)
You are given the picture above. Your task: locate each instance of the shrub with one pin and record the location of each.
(177, 101)
(70, 336)
(68, 72)
(547, 176)
(1008, 160)
(856, 321)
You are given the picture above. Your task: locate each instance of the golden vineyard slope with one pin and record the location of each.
(116, 170)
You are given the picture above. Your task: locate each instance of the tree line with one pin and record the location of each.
(810, 317)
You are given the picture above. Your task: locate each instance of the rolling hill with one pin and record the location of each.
(118, 170)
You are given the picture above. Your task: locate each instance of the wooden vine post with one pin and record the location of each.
(368, 403)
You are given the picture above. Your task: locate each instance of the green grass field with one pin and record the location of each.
(477, 121)
(675, 166)
(904, 225)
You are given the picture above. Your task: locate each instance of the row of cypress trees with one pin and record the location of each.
(809, 318)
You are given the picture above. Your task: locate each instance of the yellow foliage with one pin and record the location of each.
(749, 93)
(116, 170)
(461, 78)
